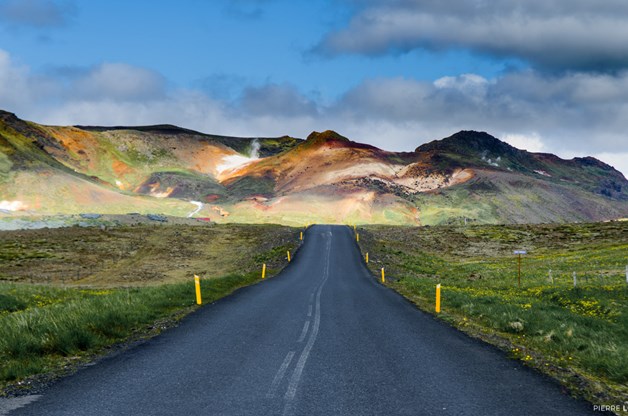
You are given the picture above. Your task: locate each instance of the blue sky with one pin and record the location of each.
(547, 75)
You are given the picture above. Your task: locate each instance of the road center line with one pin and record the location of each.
(304, 332)
(298, 370)
(279, 376)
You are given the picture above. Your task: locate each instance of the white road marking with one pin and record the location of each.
(309, 311)
(8, 405)
(279, 376)
(298, 370)
(304, 332)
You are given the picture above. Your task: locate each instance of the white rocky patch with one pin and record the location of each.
(12, 206)
(491, 162)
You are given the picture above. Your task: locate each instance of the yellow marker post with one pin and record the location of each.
(197, 283)
(289, 259)
(357, 237)
(438, 298)
(301, 236)
(264, 271)
(383, 276)
(367, 258)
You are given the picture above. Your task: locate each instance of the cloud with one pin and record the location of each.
(222, 85)
(115, 82)
(246, 9)
(554, 34)
(19, 89)
(531, 143)
(571, 115)
(583, 112)
(118, 81)
(37, 13)
(276, 99)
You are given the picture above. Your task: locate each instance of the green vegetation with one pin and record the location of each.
(5, 166)
(577, 334)
(273, 146)
(138, 255)
(41, 327)
(121, 294)
(247, 186)
(186, 184)
(453, 206)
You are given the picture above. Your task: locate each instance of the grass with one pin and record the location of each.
(577, 334)
(42, 327)
(46, 328)
(138, 255)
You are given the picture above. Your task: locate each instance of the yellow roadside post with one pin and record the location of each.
(289, 256)
(264, 271)
(367, 258)
(357, 237)
(438, 298)
(301, 236)
(197, 284)
(383, 276)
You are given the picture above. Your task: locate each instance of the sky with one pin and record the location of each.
(543, 75)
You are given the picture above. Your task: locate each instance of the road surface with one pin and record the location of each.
(322, 338)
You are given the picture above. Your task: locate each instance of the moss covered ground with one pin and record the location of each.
(576, 333)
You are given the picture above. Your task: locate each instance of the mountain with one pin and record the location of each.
(470, 176)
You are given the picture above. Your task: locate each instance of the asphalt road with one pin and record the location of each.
(322, 338)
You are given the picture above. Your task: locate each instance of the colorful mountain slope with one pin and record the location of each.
(469, 176)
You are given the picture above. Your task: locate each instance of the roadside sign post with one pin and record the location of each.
(519, 253)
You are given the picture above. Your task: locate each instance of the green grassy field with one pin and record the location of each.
(578, 334)
(60, 320)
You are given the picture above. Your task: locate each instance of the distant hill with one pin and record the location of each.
(469, 177)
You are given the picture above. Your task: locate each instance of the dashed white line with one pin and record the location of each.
(298, 370)
(309, 311)
(279, 376)
(304, 332)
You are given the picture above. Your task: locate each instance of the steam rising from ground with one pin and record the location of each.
(255, 149)
(233, 162)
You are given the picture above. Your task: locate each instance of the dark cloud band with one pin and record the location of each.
(551, 34)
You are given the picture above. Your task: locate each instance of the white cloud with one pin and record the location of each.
(276, 99)
(561, 34)
(573, 114)
(617, 160)
(118, 81)
(531, 143)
